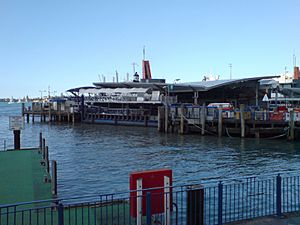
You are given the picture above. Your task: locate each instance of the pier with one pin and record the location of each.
(241, 122)
(244, 121)
(51, 111)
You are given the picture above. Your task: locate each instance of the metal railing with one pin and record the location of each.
(209, 203)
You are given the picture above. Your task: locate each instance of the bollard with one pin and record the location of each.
(17, 139)
(195, 205)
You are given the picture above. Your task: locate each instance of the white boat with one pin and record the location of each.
(11, 100)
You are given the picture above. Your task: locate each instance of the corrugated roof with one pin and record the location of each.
(180, 87)
(208, 85)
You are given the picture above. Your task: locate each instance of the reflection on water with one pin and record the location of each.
(99, 158)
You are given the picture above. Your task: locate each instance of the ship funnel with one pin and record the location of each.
(146, 70)
(296, 73)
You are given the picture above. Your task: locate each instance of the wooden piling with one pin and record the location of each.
(43, 147)
(203, 113)
(47, 159)
(27, 117)
(54, 178)
(59, 112)
(242, 117)
(257, 134)
(49, 115)
(220, 122)
(181, 120)
(41, 142)
(292, 126)
(158, 119)
(166, 119)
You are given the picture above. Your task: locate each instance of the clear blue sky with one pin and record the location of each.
(66, 44)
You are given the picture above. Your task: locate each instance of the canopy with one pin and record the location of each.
(112, 90)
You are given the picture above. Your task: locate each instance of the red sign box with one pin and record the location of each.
(150, 179)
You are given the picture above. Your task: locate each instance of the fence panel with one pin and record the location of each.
(209, 203)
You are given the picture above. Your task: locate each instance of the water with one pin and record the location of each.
(95, 159)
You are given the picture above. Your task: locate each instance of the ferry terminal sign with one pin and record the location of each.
(16, 123)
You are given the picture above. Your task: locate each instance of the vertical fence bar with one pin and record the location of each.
(167, 200)
(60, 214)
(148, 208)
(139, 195)
(195, 205)
(220, 203)
(278, 195)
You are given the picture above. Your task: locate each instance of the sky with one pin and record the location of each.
(66, 44)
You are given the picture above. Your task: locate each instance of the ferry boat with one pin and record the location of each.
(124, 103)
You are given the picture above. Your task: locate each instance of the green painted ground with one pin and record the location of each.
(22, 180)
(22, 177)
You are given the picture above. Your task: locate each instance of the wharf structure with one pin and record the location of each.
(57, 109)
(246, 107)
(26, 175)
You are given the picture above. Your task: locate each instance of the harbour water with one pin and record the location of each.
(95, 159)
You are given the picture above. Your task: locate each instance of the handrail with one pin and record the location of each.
(207, 182)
